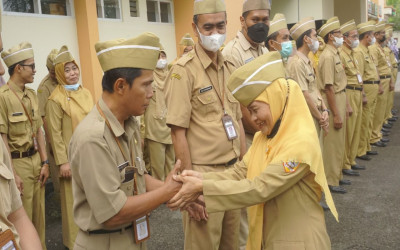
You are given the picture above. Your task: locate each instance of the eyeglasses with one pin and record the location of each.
(29, 65)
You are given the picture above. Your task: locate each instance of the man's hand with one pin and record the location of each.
(349, 111)
(170, 183)
(391, 88)
(197, 212)
(364, 100)
(190, 191)
(65, 171)
(44, 174)
(380, 89)
(337, 121)
(19, 183)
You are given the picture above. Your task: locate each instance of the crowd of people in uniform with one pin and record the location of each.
(226, 133)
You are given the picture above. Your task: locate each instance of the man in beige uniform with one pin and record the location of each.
(301, 70)
(110, 186)
(46, 87)
(333, 79)
(205, 121)
(245, 47)
(279, 37)
(371, 81)
(20, 127)
(389, 54)
(354, 94)
(385, 74)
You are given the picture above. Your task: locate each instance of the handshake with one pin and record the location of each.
(187, 192)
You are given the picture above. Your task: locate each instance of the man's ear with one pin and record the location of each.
(242, 22)
(120, 85)
(196, 33)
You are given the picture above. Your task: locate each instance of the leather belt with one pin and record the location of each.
(343, 90)
(354, 88)
(229, 163)
(385, 77)
(103, 231)
(372, 82)
(17, 154)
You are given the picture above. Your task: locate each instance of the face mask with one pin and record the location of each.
(338, 42)
(383, 39)
(372, 41)
(287, 49)
(314, 46)
(213, 42)
(258, 32)
(354, 44)
(161, 64)
(72, 87)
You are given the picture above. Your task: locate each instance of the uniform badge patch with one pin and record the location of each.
(205, 89)
(290, 166)
(175, 75)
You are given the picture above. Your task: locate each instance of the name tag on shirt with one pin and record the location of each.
(249, 60)
(17, 114)
(205, 89)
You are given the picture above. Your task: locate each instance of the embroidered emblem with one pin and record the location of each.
(175, 75)
(290, 166)
(205, 89)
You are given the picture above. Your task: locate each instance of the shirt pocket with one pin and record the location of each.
(17, 126)
(5, 177)
(339, 67)
(209, 106)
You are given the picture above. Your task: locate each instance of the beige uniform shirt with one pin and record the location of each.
(301, 70)
(351, 66)
(366, 64)
(98, 184)
(10, 199)
(193, 91)
(389, 54)
(13, 120)
(381, 61)
(331, 70)
(44, 90)
(156, 128)
(239, 51)
(284, 217)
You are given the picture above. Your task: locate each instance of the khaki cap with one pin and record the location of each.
(349, 26)
(63, 56)
(302, 26)
(249, 5)
(50, 58)
(248, 81)
(208, 6)
(187, 40)
(277, 24)
(140, 52)
(365, 27)
(380, 26)
(332, 24)
(389, 30)
(17, 54)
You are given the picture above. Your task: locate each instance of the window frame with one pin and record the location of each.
(110, 19)
(137, 9)
(37, 4)
(171, 4)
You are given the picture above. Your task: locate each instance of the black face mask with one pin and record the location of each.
(383, 39)
(258, 32)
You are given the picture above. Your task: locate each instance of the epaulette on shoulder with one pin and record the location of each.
(4, 88)
(185, 59)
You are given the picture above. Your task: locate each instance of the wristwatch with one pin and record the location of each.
(327, 110)
(45, 162)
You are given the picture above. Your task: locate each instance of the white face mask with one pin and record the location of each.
(372, 41)
(213, 42)
(354, 44)
(313, 46)
(161, 64)
(338, 41)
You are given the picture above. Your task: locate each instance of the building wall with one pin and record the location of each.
(44, 33)
(345, 10)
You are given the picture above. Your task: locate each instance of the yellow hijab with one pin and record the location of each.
(76, 104)
(295, 141)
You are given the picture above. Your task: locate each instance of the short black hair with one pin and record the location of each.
(12, 67)
(110, 76)
(346, 34)
(362, 36)
(326, 37)
(196, 18)
(300, 40)
(273, 37)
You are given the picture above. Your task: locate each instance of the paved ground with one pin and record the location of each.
(369, 213)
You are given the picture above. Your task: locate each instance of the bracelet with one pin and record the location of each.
(45, 162)
(327, 110)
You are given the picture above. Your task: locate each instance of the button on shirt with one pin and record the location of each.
(192, 89)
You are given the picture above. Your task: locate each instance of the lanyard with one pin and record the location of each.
(351, 59)
(120, 146)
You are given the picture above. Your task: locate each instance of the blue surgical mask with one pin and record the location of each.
(72, 87)
(287, 49)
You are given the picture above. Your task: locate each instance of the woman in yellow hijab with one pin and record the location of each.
(68, 104)
(282, 175)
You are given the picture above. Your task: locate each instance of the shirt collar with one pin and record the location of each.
(243, 41)
(347, 50)
(205, 59)
(15, 87)
(332, 48)
(303, 57)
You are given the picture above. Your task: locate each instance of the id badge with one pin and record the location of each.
(359, 78)
(7, 240)
(35, 143)
(229, 128)
(389, 64)
(141, 229)
(139, 166)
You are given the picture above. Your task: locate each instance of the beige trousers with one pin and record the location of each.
(379, 113)
(371, 92)
(33, 197)
(69, 228)
(334, 143)
(161, 158)
(353, 127)
(54, 174)
(220, 232)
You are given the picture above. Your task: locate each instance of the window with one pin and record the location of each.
(159, 11)
(48, 7)
(108, 9)
(134, 8)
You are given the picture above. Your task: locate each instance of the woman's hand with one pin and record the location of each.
(191, 189)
